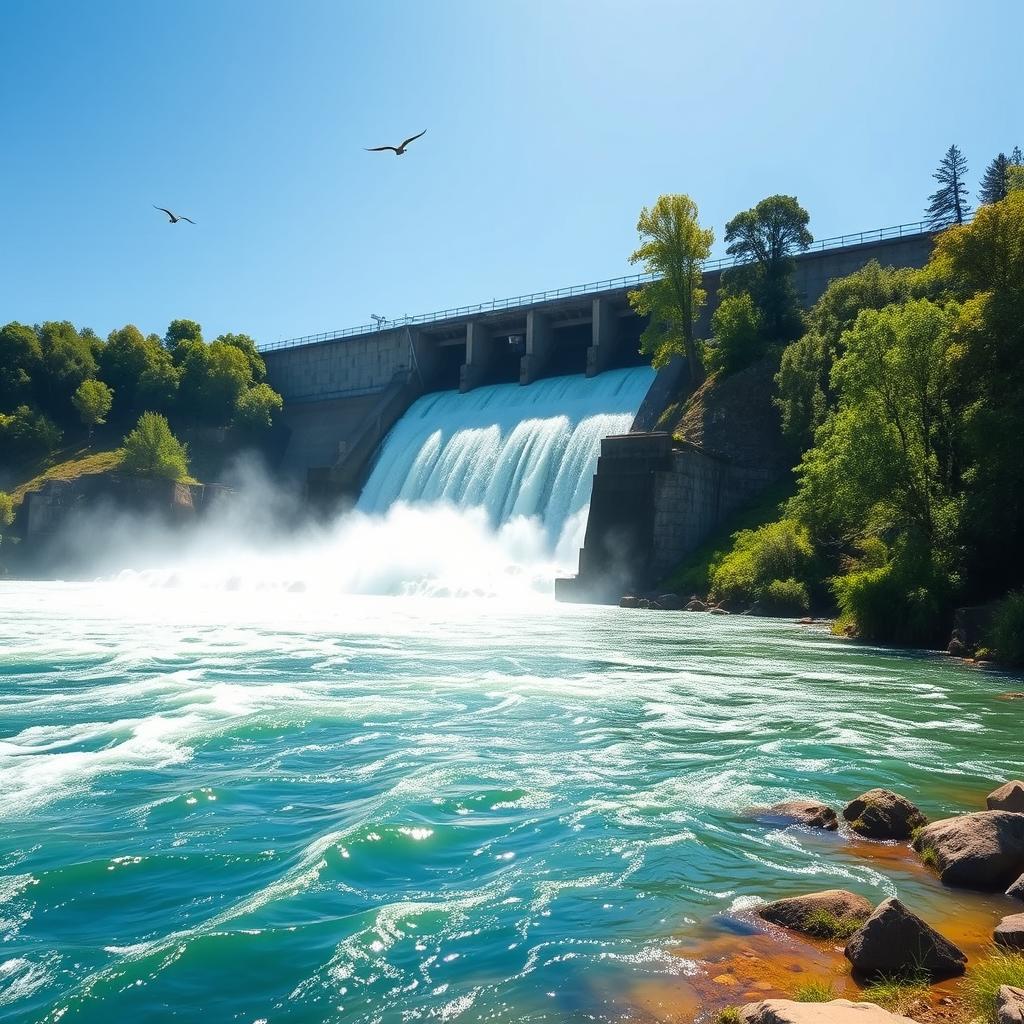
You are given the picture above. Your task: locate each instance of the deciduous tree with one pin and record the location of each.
(92, 399)
(674, 246)
(150, 449)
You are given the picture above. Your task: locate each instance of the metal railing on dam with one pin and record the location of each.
(593, 287)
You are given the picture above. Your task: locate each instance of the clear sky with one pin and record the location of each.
(550, 123)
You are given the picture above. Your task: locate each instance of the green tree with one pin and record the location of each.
(158, 385)
(736, 334)
(948, 203)
(151, 450)
(256, 407)
(6, 509)
(994, 180)
(247, 347)
(20, 359)
(182, 330)
(765, 238)
(27, 433)
(674, 246)
(212, 378)
(805, 394)
(1015, 178)
(93, 399)
(67, 360)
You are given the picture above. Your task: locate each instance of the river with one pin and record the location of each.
(274, 806)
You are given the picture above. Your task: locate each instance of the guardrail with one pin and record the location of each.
(723, 263)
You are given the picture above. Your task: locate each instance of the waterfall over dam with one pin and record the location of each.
(513, 451)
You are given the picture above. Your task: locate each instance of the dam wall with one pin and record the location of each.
(336, 382)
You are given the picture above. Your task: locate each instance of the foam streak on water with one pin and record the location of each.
(231, 806)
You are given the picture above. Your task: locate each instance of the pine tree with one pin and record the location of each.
(1016, 157)
(993, 182)
(948, 205)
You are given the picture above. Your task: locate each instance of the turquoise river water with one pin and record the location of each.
(264, 806)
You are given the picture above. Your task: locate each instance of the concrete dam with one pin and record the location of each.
(506, 405)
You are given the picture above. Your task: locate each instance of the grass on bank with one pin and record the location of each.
(824, 925)
(817, 991)
(730, 1015)
(898, 995)
(985, 978)
(81, 462)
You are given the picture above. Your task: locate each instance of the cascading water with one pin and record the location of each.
(512, 451)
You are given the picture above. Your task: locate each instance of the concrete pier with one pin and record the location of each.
(539, 342)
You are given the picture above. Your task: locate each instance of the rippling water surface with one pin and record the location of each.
(276, 807)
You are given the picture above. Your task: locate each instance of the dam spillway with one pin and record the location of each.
(513, 451)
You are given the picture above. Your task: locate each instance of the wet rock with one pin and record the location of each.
(984, 850)
(881, 814)
(628, 601)
(893, 941)
(801, 812)
(956, 648)
(695, 604)
(1017, 889)
(1010, 932)
(834, 913)
(1010, 1005)
(838, 1011)
(715, 610)
(1007, 798)
(670, 602)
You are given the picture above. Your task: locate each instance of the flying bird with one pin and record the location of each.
(397, 150)
(174, 217)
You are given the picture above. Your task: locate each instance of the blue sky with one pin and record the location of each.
(550, 123)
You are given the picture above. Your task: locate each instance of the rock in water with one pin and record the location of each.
(671, 602)
(1007, 798)
(834, 913)
(983, 850)
(1010, 1005)
(838, 1011)
(1010, 932)
(1017, 889)
(893, 941)
(880, 814)
(802, 812)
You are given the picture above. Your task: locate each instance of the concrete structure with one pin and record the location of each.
(333, 385)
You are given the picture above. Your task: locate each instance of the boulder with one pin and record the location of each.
(628, 601)
(809, 813)
(1010, 1005)
(834, 913)
(695, 604)
(1010, 932)
(984, 850)
(1007, 798)
(881, 814)
(838, 1011)
(670, 602)
(956, 648)
(895, 942)
(1017, 889)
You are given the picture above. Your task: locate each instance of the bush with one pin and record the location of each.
(736, 335)
(152, 450)
(778, 552)
(25, 433)
(785, 597)
(255, 408)
(1007, 632)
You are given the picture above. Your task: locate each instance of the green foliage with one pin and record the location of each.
(212, 379)
(67, 360)
(179, 331)
(896, 994)
(994, 180)
(140, 371)
(20, 359)
(150, 449)
(247, 347)
(986, 976)
(27, 433)
(1007, 632)
(6, 509)
(766, 237)
(93, 399)
(736, 335)
(786, 597)
(1014, 178)
(777, 551)
(730, 1015)
(256, 407)
(948, 203)
(805, 393)
(816, 991)
(929, 857)
(675, 246)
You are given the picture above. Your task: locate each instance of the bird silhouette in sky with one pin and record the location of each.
(174, 217)
(397, 150)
